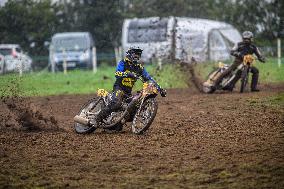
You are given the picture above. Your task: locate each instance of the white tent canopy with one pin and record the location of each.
(204, 39)
(180, 38)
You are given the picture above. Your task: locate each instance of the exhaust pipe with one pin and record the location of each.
(81, 120)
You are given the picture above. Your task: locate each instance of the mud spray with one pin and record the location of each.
(188, 68)
(23, 114)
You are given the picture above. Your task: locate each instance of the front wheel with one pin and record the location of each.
(244, 79)
(89, 111)
(144, 116)
(207, 86)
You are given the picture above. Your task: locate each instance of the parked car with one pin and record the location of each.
(75, 48)
(13, 59)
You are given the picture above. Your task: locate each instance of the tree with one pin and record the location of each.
(102, 18)
(25, 22)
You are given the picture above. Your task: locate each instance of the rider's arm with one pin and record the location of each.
(258, 54)
(146, 76)
(120, 70)
(235, 52)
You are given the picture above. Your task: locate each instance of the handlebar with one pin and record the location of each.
(161, 91)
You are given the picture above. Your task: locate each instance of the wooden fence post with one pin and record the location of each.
(64, 62)
(279, 51)
(94, 59)
(51, 52)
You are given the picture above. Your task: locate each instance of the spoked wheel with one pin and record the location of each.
(89, 111)
(113, 118)
(207, 86)
(208, 89)
(244, 79)
(145, 116)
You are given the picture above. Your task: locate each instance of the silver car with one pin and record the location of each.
(13, 59)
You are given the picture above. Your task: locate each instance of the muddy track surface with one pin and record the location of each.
(223, 140)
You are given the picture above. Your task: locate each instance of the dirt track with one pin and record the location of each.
(196, 141)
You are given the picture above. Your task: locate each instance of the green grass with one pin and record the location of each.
(278, 99)
(271, 101)
(86, 82)
(269, 72)
(80, 82)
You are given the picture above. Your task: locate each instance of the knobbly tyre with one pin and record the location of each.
(225, 84)
(140, 109)
(246, 68)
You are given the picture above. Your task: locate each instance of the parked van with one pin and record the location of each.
(12, 59)
(76, 48)
(177, 38)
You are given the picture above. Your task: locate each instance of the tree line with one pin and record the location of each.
(28, 21)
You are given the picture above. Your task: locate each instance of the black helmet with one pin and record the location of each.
(247, 36)
(134, 54)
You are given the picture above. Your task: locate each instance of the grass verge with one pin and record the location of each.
(270, 72)
(276, 101)
(81, 82)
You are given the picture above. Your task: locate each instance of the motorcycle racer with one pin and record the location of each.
(127, 72)
(239, 51)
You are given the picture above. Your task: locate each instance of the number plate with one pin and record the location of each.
(71, 64)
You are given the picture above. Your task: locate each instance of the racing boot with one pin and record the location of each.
(254, 79)
(255, 90)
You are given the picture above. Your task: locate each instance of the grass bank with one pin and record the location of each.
(86, 82)
(81, 82)
(269, 72)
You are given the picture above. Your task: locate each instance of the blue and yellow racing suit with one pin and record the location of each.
(124, 84)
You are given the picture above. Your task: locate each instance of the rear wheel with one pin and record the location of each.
(207, 86)
(208, 89)
(145, 116)
(89, 111)
(244, 79)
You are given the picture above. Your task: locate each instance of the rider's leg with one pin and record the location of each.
(235, 80)
(115, 103)
(234, 66)
(254, 79)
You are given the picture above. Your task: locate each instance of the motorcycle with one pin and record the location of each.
(140, 109)
(225, 84)
(246, 68)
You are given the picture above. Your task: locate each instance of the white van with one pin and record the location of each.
(12, 59)
(177, 38)
(76, 48)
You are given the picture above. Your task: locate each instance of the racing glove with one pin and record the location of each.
(261, 59)
(163, 92)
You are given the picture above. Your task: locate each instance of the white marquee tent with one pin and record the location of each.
(180, 38)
